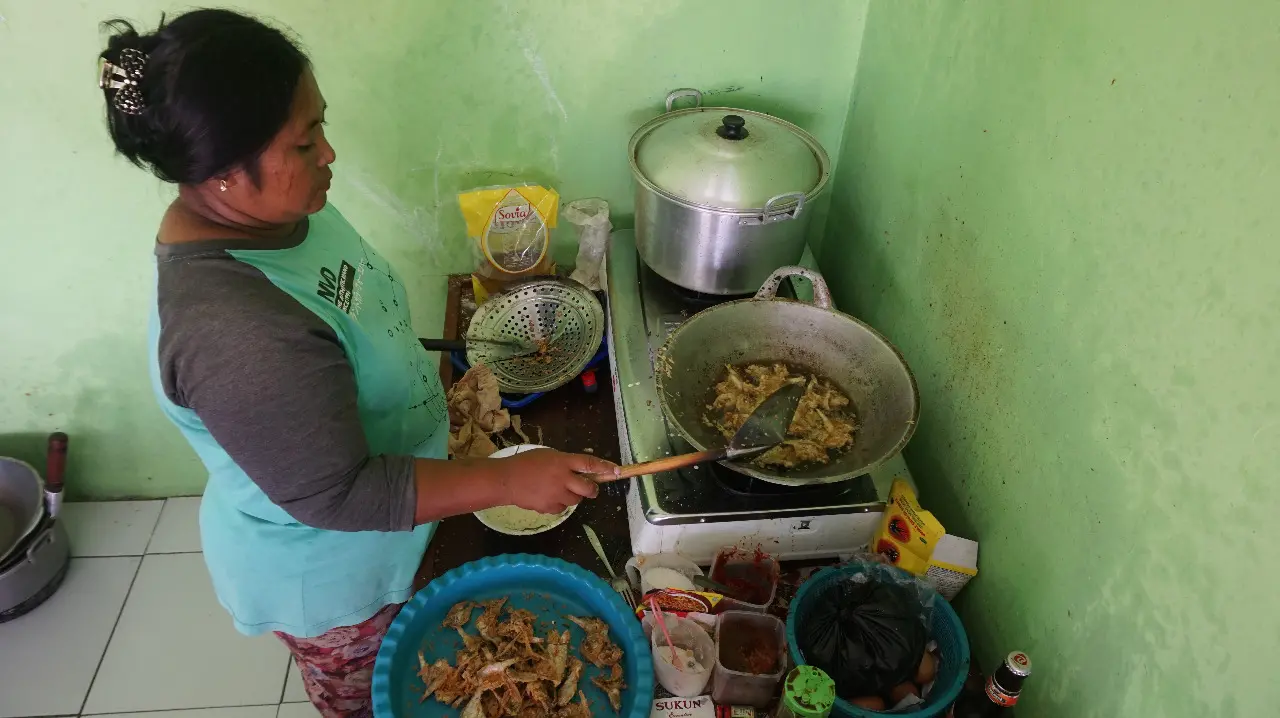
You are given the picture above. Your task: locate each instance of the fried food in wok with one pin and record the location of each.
(823, 424)
(508, 669)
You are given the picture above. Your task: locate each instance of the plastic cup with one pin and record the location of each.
(683, 682)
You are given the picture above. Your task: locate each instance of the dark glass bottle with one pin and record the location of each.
(995, 697)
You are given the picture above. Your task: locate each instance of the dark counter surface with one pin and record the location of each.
(571, 419)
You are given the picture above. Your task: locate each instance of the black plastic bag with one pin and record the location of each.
(868, 636)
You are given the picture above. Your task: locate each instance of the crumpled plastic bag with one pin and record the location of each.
(591, 218)
(475, 413)
(869, 630)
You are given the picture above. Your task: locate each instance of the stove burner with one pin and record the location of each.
(740, 483)
(693, 299)
(718, 488)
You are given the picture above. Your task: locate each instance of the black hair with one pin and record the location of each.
(216, 87)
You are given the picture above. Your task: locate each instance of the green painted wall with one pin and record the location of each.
(1065, 214)
(426, 99)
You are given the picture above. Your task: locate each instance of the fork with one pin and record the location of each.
(621, 585)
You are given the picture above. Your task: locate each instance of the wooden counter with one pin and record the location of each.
(571, 420)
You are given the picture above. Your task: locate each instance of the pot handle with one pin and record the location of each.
(55, 467)
(682, 93)
(38, 545)
(821, 293)
(771, 213)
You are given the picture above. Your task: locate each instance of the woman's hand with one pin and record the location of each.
(542, 480)
(549, 481)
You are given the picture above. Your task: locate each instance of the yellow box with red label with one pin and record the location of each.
(915, 541)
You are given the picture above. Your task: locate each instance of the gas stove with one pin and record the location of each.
(698, 510)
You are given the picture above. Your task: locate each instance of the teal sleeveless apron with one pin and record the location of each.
(270, 572)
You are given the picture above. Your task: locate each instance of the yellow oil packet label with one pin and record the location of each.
(511, 224)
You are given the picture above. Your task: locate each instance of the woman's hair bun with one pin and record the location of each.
(205, 92)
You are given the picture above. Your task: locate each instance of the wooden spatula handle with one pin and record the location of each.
(667, 464)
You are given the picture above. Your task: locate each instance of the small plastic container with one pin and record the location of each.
(744, 638)
(743, 567)
(683, 682)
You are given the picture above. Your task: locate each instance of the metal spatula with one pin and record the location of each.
(763, 430)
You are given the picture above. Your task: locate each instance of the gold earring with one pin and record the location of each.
(222, 185)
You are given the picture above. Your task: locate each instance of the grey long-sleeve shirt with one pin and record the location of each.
(273, 385)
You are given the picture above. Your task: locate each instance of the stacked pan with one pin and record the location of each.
(34, 548)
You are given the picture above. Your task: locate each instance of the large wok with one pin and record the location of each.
(815, 337)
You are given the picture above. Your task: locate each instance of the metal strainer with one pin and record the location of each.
(560, 316)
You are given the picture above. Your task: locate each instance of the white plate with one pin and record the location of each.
(513, 520)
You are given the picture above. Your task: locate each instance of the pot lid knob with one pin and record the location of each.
(732, 127)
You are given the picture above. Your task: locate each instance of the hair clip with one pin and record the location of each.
(125, 79)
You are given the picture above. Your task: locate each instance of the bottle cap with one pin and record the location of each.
(1019, 664)
(809, 691)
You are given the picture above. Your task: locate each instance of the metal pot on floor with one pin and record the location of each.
(723, 196)
(34, 549)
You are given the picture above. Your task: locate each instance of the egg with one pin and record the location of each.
(928, 669)
(902, 690)
(871, 703)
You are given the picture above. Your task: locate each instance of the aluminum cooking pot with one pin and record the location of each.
(21, 503)
(33, 564)
(723, 195)
(811, 337)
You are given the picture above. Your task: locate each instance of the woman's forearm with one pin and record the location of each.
(460, 486)
(546, 481)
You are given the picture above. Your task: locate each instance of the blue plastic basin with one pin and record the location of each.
(548, 587)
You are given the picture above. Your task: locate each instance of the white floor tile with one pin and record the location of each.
(293, 690)
(48, 657)
(179, 527)
(297, 710)
(175, 647)
(110, 528)
(236, 712)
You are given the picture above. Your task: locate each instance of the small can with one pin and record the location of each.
(807, 692)
(735, 712)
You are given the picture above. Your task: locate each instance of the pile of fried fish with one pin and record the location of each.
(506, 669)
(822, 422)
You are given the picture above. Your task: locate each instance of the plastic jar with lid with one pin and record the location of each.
(807, 692)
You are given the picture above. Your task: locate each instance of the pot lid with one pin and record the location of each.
(729, 159)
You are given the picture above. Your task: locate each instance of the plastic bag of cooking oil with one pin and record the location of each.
(511, 227)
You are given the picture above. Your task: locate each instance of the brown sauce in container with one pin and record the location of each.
(750, 649)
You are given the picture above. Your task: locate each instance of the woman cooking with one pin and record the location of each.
(281, 347)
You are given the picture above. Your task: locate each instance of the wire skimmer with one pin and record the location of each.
(559, 316)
